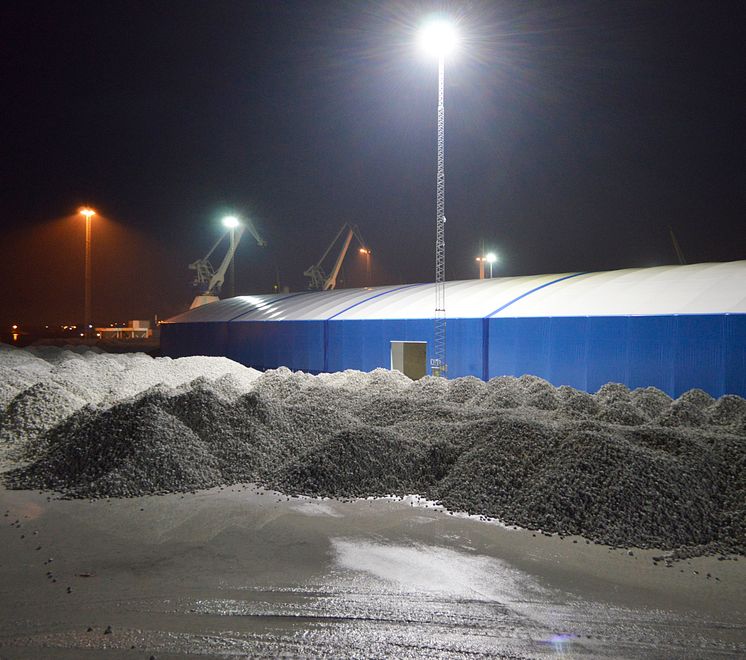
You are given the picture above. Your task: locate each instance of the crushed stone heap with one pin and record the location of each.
(625, 468)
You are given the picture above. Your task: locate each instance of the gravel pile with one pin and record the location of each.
(586, 479)
(42, 386)
(626, 468)
(19, 370)
(122, 454)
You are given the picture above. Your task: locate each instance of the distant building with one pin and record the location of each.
(672, 327)
(134, 329)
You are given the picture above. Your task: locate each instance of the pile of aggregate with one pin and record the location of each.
(42, 386)
(625, 468)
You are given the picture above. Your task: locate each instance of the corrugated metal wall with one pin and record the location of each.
(329, 331)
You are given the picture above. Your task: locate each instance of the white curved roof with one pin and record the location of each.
(713, 288)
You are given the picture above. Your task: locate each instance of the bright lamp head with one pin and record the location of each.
(491, 258)
(231, 221)
(438, 37)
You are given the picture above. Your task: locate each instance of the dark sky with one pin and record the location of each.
(576, 133)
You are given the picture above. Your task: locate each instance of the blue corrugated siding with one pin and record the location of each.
(735, 354)
(568, 350)
(366, 345)
(651, 344)
(699, 343)
(270, 344)
(607, 352)
(673, 353)
(519, 346)
(182, 339)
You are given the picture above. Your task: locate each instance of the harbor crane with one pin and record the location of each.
(209, 281)
(319, 279)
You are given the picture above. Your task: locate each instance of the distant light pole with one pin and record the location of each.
(480, 261)
(232, 222)
(366, 252)
(491, 259)
(88, 213)
(439, 38)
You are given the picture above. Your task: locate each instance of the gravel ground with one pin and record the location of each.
(625, 468)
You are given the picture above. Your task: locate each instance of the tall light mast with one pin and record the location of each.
(87, 213)
(439, 37)
(231, 222)
(440, 366)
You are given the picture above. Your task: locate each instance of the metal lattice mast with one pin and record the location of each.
(439, 365)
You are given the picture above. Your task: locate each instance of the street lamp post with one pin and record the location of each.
(480, 261)
(88, 213)
(232, 222)
(366, 252)
(491, 259)
(439, 38)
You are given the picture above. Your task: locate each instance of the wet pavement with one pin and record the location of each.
(240, 572)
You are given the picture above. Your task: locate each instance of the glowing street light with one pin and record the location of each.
(491, 259)
(438, 38)
(88, 213)
(231, 222)
(366, 252)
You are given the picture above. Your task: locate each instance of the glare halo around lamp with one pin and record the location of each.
(491, 259)
(438, 37)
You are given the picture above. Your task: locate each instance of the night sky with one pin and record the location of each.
(576, 133)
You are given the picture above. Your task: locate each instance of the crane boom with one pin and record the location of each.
(331, 281)
(250, 226)
(676, 246)
(208, 280)
(319, 279)
(205, 271)
(218, 277)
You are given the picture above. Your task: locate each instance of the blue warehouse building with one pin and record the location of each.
(672, 327)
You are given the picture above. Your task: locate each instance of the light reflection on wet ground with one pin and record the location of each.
(235, 573)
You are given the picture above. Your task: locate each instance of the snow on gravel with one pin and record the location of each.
(626, 468)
